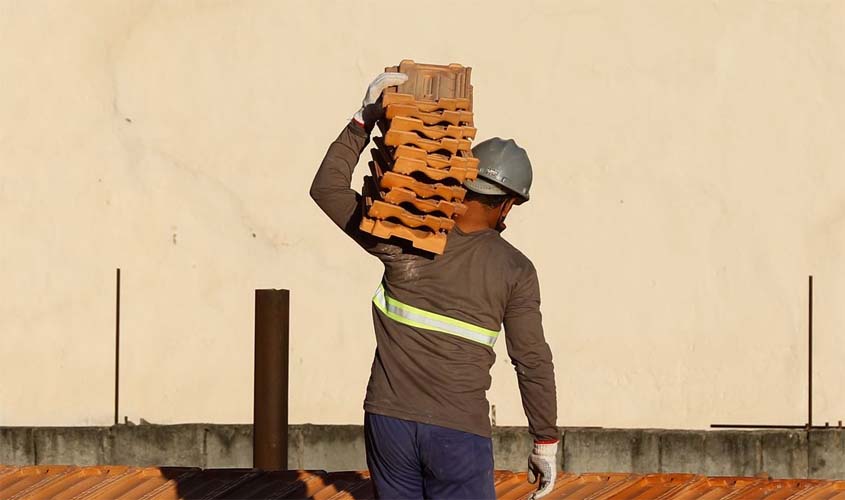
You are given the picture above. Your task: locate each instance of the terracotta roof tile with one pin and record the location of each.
(423, 240)
(410, 166)
(384, 154)
(455, 167)
(392, 180)
(398, 196)
(458, 117)
(443, 104)
(385, 211)
(400, 138)
(430, 82)
(462, 159)
(423, 156)
(172, 483)
(436, 132)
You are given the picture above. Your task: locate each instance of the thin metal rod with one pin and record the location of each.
(810, 358)
(117, 348)
(809, 425)
(761, 426)
(270, 410)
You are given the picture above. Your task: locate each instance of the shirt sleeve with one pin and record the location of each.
(531, 356)
(332, 187)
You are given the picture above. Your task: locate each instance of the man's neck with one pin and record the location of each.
(476, 218)
(469, 225)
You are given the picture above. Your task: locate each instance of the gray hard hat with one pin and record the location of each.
(503, 168)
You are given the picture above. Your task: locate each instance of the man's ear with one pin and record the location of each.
(507, 205)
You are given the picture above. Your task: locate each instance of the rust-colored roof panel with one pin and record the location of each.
(653, 486)
(174, 483)
(707, 488)
(778, 489)
(831, 490)
(76, 481)
(591, 485)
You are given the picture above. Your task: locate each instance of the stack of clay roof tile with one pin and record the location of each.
(422, 158)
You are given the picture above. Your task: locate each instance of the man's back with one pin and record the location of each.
(480, 283)
(433, 376)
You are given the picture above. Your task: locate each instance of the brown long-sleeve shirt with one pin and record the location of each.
(432, 377)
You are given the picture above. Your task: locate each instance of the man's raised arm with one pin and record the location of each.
(332, 186)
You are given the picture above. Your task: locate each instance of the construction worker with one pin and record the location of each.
(436, 318)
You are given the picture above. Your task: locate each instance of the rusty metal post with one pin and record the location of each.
(810, 358)
(270, 405)
(117, 348)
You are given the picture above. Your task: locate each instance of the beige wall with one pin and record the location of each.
(689, 164)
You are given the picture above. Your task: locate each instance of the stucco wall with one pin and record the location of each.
(689, 175)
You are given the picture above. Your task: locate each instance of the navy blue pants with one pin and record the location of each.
(411, 460)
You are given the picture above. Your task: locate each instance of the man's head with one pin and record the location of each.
(489, 209)
(504, 179)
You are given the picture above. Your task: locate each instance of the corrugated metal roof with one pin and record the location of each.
(172, 483)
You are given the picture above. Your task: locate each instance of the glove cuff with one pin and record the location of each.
(359, 117)
(545, 449)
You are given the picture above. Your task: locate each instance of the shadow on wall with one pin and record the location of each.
(193, 484)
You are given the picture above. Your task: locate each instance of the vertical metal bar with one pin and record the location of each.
(810, 359)
(117, 347)
(270, 405)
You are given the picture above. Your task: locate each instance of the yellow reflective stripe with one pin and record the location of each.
(455, 322)
(419, 318)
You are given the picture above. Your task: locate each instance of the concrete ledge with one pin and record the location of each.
(780, 453)
(785, 453)
(72, 445)
(327, 447)
(681, 451)
(177, 445)
(827, 453)
(17, 446)
(610, 450)
(229, 446)
(732, 453)
(511, 447)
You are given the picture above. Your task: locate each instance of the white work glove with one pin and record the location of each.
(370, 111)
(541, 464)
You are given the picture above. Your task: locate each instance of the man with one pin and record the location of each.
(436, 318)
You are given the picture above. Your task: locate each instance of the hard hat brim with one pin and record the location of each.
(483, 186)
